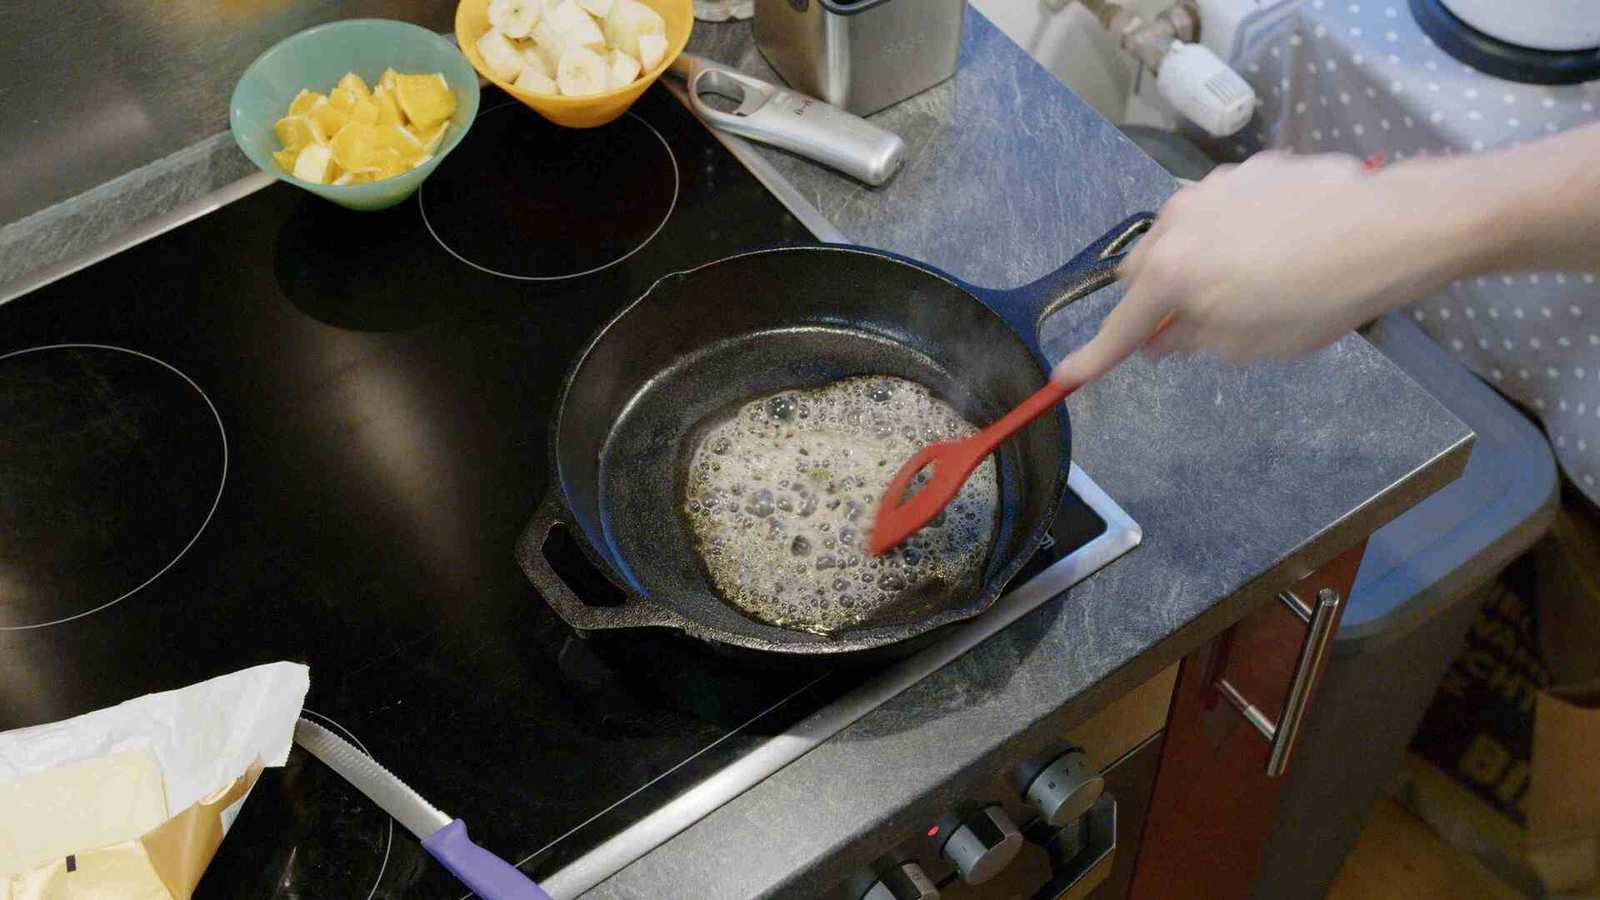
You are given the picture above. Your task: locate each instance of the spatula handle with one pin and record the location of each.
(489, 876)
(1040, 402)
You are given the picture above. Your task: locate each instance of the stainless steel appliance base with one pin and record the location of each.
(1121, 535)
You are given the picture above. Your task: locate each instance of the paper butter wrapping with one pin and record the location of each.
(212, 740)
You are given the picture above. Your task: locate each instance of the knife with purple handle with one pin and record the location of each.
(445, 839)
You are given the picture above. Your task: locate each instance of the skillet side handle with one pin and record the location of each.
(635, 612)
(1095, 267)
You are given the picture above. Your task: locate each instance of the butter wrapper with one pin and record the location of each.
(211, 741)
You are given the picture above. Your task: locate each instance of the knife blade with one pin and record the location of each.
(444, 838)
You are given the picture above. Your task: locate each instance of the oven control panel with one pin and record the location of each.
(983, 845)
(1057, 825)
(1066, 788)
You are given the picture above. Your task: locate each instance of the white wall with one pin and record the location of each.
(1072, 45)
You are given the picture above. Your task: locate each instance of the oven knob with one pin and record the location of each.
(1066, 788)
(906, 882)
(984, 845)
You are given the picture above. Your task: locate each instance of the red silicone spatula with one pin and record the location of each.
(952, 462)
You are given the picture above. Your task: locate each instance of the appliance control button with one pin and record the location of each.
(906, 882)
(984, 845)
(1066, 788)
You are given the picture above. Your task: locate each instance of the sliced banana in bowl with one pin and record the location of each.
(547, 35)
(582, 73)
(577, 62)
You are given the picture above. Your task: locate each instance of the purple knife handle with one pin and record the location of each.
(489, 876)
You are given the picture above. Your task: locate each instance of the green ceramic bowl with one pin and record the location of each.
(316, 59)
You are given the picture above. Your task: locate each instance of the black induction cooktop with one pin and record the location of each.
(286, 431)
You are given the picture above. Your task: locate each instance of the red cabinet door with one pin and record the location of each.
(1214, 799)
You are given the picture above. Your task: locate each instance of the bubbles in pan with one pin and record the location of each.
(780, 499)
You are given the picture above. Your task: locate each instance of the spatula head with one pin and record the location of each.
(949, 464)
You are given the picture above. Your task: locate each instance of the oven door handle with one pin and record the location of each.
(1283, 734)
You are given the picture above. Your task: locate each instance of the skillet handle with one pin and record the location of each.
(1026, 307)
(634, 612)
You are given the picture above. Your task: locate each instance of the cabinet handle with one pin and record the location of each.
(1319, 634)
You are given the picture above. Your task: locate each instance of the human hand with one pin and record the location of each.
(1269, 260)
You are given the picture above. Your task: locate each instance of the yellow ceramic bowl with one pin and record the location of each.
(472, 21)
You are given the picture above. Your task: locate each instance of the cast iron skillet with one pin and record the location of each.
(701, 342)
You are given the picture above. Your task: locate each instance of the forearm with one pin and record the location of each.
(1281, 255)
(1531, 207)
(1551, 204)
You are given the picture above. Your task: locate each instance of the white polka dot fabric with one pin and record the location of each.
(1362, 78)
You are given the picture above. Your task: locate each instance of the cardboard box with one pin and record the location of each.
(1564, 789)
(1506, 763)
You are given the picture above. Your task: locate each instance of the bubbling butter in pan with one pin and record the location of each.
(780, 498)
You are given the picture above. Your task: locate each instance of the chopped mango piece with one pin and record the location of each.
(343, 98)
(315, 164)
(355, 147)
(425, 99)
(390, 162)
(432, 139)
(297, 132)
(329, 117)
(303, 101)
(401, 141)
(285, 159)
(356, 135)
(355, 178)
(366, 112)
(353, 83)
(388, 107)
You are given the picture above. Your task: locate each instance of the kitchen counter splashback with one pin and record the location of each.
(116, 114)
(97, 89)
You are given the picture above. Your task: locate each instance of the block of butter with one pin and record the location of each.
(130, 802)
(79, 807)
(122, 871)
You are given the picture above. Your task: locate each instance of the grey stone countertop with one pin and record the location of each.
(1244, 480)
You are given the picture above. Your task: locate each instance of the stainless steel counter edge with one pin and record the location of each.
(1121, 535)
(135, 235)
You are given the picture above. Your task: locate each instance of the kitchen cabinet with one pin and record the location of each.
(1214, 798)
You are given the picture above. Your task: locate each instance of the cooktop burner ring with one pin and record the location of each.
(388, 844)
(216, 501)
(665, 214)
